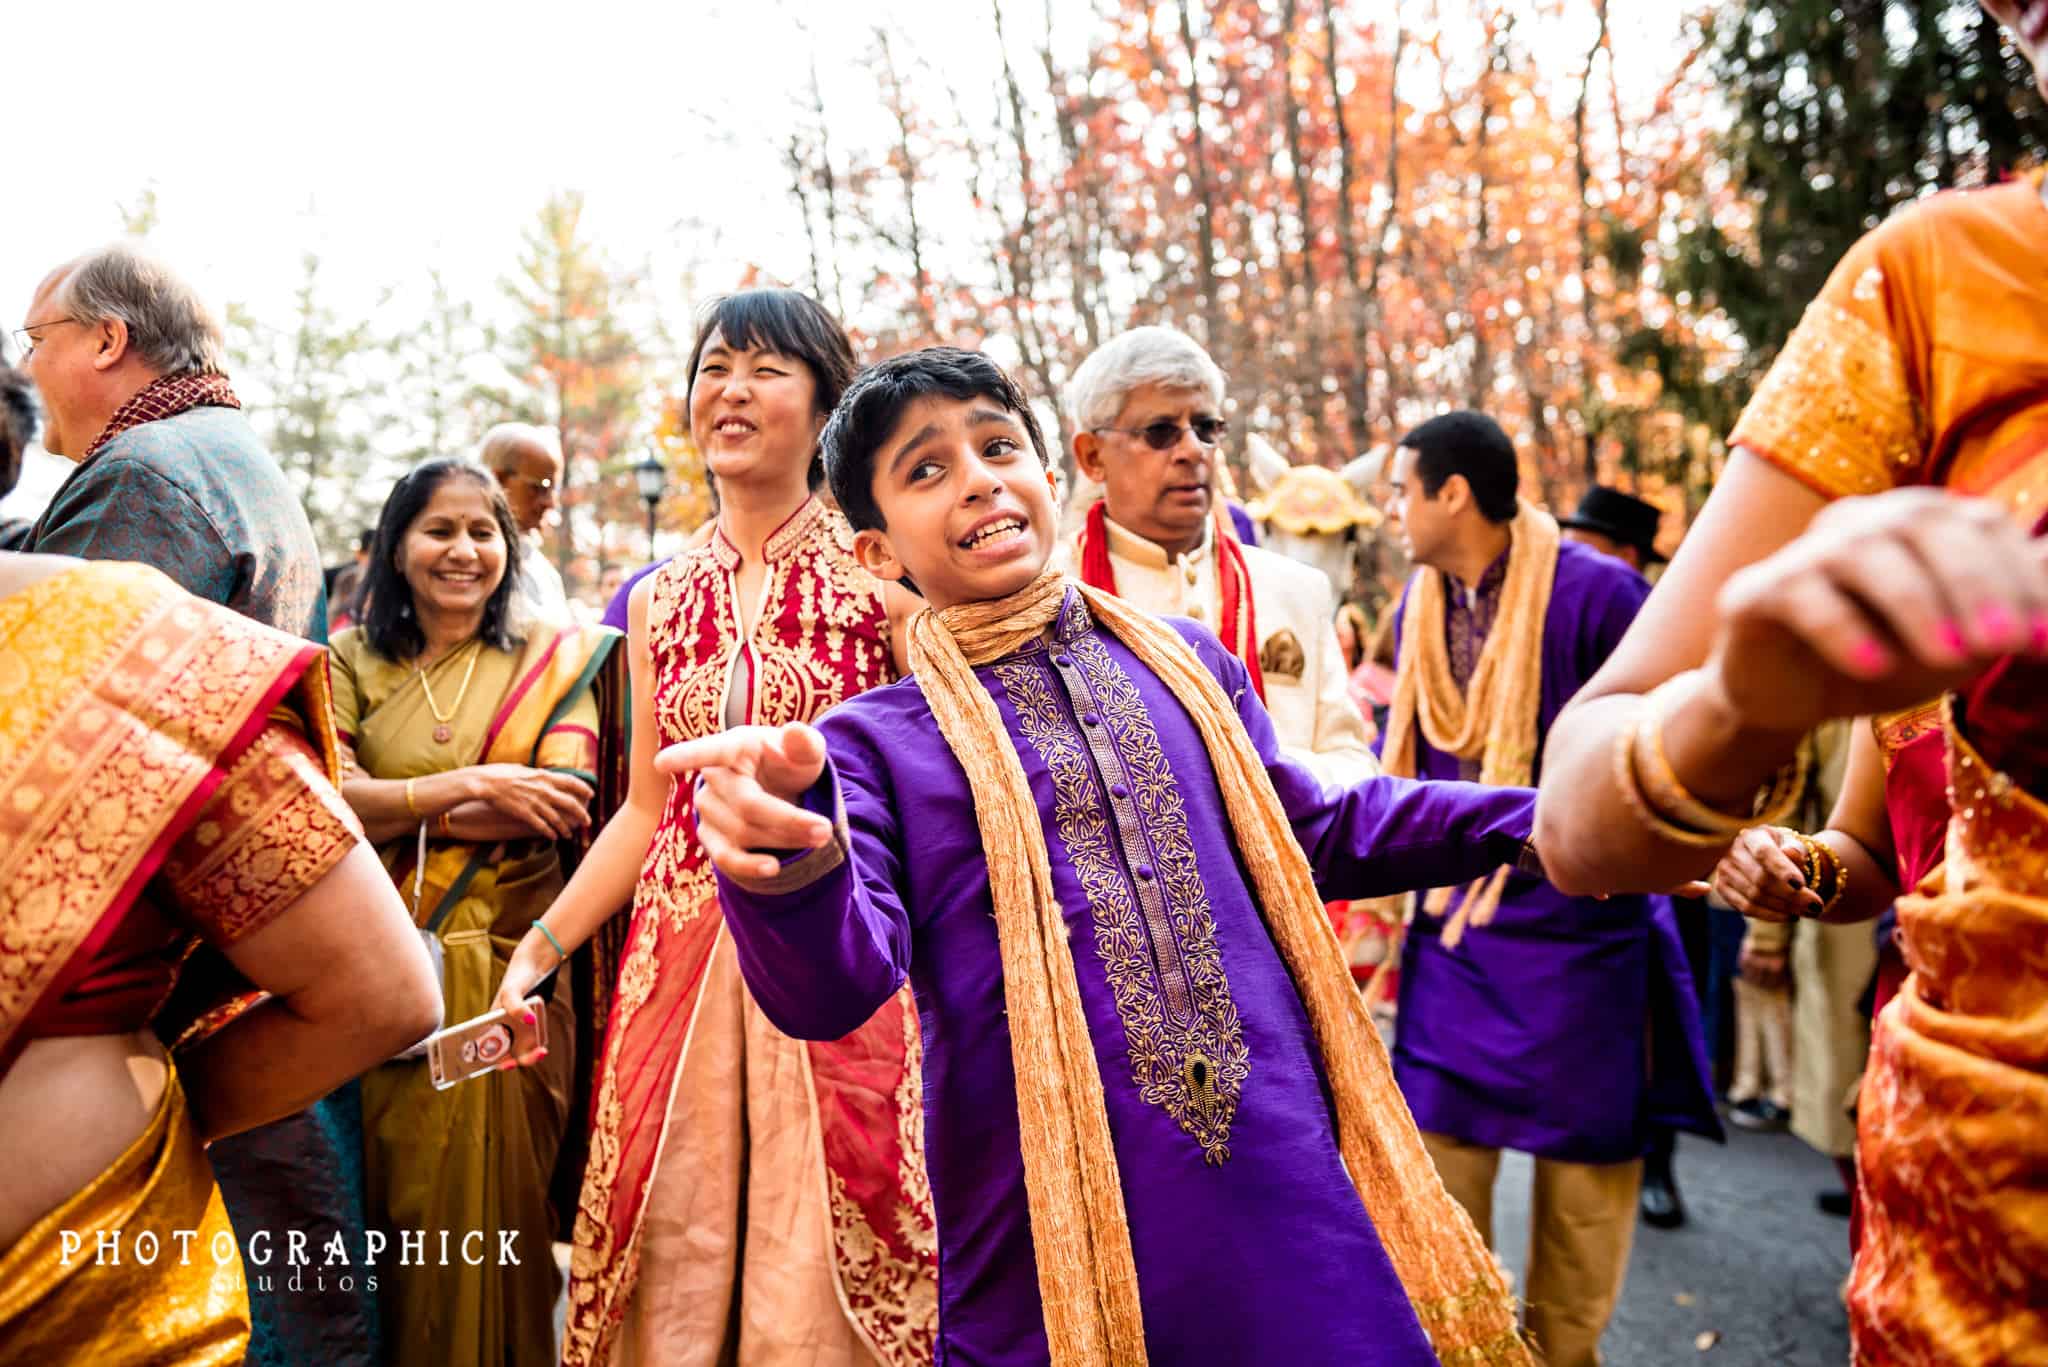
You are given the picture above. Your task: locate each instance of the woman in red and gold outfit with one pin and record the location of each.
(170, 843)
(1876, 542)
(750, 1197)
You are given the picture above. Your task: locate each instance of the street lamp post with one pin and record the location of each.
(652, 476)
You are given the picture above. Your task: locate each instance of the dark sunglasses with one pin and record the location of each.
(1164, 435)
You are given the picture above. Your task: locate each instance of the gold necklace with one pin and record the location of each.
(443, 732)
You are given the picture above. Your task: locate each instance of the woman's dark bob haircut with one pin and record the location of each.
(874, 404)
(390, 623)
(789, 324)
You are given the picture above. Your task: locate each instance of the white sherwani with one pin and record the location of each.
(541, 582)
(1303, 666)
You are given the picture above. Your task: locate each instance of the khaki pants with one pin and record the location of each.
(1582, 1222)
(1763, 1044)
(1831, 965)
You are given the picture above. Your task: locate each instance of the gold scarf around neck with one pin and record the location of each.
(1087, 1275)
(1493, 718)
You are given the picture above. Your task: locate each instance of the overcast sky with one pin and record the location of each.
(392, 136)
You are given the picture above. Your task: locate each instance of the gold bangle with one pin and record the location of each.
(1669, 799)
(1809, 862)
(1630, 784)
(1663, 805)
(447, 832)
(411, 805)
(1838, 874)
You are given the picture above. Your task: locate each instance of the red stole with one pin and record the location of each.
(1239, 623)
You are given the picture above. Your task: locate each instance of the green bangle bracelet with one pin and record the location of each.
(541, 926)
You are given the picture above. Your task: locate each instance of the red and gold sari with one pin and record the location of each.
(749, 1194)
(541, 704)
(165, 790)
(1925, 361)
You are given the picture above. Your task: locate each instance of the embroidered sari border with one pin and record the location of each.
(124, 719)
(519, 692)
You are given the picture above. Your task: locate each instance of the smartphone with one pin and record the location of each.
(475, 1046)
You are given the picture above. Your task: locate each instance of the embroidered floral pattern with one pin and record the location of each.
(1130, 848)
(1835, 410)
(129, 695)
(272, 830)
(890, 1286)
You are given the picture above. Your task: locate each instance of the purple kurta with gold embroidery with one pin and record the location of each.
(1567, 1026)
(1252, 1246)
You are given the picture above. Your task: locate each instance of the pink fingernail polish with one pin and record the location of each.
(530, 1018)
(539, 1055)
(1869, 657)
(1951, 637)
(1995, 625)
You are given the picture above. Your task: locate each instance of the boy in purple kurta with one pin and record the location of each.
(1250, 1241)
(1563, 1027)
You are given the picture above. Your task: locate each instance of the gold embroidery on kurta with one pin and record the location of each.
(1154, 931)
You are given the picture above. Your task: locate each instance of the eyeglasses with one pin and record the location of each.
(27, 343)
(540, 486)
(1164, 435)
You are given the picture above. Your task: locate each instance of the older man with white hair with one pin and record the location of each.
(130, 366)
(1146, 410)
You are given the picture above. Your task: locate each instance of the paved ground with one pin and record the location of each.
(1756, 1263)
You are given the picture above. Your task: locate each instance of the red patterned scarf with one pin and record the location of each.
(166, 397)
(1238, 625)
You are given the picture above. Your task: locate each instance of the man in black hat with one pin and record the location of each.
(1616, 524)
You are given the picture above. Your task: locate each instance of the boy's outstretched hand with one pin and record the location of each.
(750, 779)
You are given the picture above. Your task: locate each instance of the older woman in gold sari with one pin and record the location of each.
(474, 744)
(175, 868)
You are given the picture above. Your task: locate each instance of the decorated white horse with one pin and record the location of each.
(1312, 514)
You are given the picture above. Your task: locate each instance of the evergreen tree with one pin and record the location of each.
(314, 395)
(581, 364)
(443, 372)
(1844, 110)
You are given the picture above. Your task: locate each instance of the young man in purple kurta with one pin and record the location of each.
(1251, 1247)
(1565, 1028)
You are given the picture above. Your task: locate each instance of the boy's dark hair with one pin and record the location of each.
(790, 324)
(872, 404)
(1469, 444)
(388, 618)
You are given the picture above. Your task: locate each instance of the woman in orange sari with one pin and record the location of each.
(1819, 583)
(472, 739)
(750, 1198)
(176, 869)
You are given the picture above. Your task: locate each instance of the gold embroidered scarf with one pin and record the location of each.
(1493, 718)
(1087, 1276)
